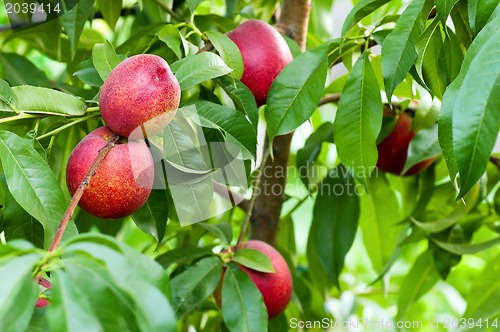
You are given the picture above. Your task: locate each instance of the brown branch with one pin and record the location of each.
(206, 48)
(265, 215)
(81, 188)
(334, 98)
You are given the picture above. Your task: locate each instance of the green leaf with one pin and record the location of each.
(335, 220)
(451, 57)
(254, 260)
(18, 70)
(171, 36)
(222, 231)
(228, 51)
(195, 284)
(18, 292)
(104, 59)
(143, 279)
(192, 4)
(380, 214)
(362, 9)
(199, 68)
(110, 304)
(359, 120)
(423, 146)
(475, 116)
(70, 309)
(429, 48)
(398, 49)
(480, 12)
(87, 73)
(184, 147)
(74, 20)
(6, 94)
(295, 93)
(308, 154)
(230, 122)
(483, 296)
(446, 114)
(152, 217)
(37, 100)
(418, 281)
(183, 255)
(21, 225)
(243, 99)
(33, 184)
(111, 10)
(460, 20)
(467, 248)
(443, 9)
(243, 308)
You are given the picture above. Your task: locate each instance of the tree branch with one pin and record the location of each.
(266, 211)
(334, 98)
(79, 192)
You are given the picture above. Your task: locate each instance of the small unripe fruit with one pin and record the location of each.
(140, 92)
(276, 288)
(265, 53)
(122, 182)
(393, 150)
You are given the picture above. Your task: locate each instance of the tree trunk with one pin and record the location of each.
(271, 190)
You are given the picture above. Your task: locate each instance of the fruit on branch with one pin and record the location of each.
(393, 150)
(140, 93)
(123, 181)
(265, 53)
(276, 288)
(41, 302)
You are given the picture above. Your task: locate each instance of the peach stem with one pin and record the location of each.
(81, 188)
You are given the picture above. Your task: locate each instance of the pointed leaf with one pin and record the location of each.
(243, 308)
(222, 231)
(398, 49)
(307, 155)
(363, 8)
(443, 9)
(199, 68)
(37, 100)
(243, 99)
(480, 12)
(228, 51)
(33, 184)
(104, 59)
(254, 260)
(475, 116)
(359, 120)
(74, 20)
(295, 93)
(183, 255)
(18, 292)
(232, 123)
(419, 280)
(191, 287)
(423, 146)
(152, 217)
(18, 70)
(335, 220)
(380, 214)
(171, 36)
(111, 10)
(6, 94)
(70, 309)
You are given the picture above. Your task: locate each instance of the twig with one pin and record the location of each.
(206, 48)
(21, 116)
(57, 130)
(252, 200)
(79, 192)
(334, 98)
